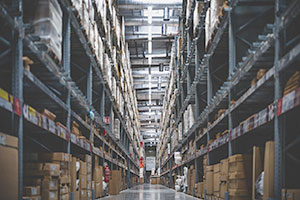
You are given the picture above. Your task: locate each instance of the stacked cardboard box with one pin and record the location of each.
(260, 73)
(114, 182)
(191, 179)
(9, 170)
(47, 25)
(49, 174)
(217, 181)
(197, 13)
(223, 177)
(75, 128)
(97, 179)
(290, 194)
(240, 176)
(293, 83)
(64, 179)
(209, 180)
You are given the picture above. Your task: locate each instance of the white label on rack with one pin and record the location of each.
(52, 126)
(73, 138)
(25, 111)
(3, 139)
(44, 122)
(288, 101)
(271, 113)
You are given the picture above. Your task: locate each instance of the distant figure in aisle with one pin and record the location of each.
(106, 177)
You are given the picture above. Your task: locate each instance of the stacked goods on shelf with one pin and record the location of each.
(75, 128)
(216, 181)
(97, 180)
(197, 13)
(207, 27)
(260, 73)
(47, 24)
(191, 179)
(88, 162)
(9, 170)
(189, 4)
(224, 164)
(239, 176)
(293, 83)
(47, 174)
(215, 14)
(209, 180)
(290, 194)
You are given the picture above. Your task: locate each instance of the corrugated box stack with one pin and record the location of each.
(197, 13)
(47, 25)
(216, 180)
(224, 177)
(98, 183)
(9, 171)
(47, 175)
(114, 182)
(191, 179)
(240, 176)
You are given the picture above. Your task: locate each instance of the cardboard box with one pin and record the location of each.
(9, 171)
(237, 166)
(209, 182)
(57, 156)
(223, 189)
(76, 195)
(73, 174)
(290, 194)
(82, 181)
(238, 184)
(224, 169)
(114, 182)
(83, 194)
(64, 197)
(64, 189)
(41, 169)
(31, 190)
(64, 179)
(269, 170)
(83, 168)
(49, 195)
(217, 182)
(49, 183)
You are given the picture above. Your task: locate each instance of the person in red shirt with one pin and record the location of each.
(106, 176)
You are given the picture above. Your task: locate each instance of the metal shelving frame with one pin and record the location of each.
(268, 50)
(75, 103)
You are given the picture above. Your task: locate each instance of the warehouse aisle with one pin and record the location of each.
(150, 192)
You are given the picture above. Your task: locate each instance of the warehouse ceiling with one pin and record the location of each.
(150, 27)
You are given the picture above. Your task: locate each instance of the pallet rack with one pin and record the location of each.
(212, 79)
(52, 85)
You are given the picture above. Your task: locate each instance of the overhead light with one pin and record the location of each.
(164, 29)
(149, 14)
(166, 14)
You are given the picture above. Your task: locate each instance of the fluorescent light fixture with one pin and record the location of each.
(149, 14)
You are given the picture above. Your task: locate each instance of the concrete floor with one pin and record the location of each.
(149, 192)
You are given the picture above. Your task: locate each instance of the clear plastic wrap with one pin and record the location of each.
(259, 186)
(47, 25)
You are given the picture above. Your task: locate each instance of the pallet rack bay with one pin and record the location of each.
(233, 74)
(77, 88)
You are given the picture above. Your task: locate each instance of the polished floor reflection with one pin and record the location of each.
(149, 192)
